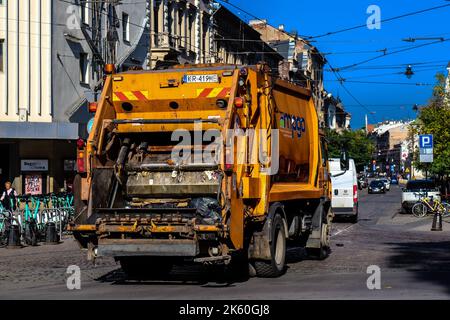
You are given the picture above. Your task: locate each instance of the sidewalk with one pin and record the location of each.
(412, 223)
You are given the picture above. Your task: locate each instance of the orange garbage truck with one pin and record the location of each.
(202, 164)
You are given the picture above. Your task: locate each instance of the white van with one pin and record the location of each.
(344, 189)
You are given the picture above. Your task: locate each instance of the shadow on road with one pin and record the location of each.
(187, 275)
(198, 275)
(428, 261)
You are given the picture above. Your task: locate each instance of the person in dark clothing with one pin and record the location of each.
(9, 197)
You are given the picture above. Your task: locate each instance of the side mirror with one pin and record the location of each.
(345, 161)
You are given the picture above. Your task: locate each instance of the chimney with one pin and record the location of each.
(281, 27)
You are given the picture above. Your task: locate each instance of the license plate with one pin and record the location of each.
(201, 78)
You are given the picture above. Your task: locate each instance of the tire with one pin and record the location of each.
(277, 264)
(354, 219)
(324, 251)
(145, 268)
(419, 210)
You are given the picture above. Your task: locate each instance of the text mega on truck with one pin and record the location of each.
(146, 196)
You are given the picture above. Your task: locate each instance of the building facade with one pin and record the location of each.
(304, 61)
(181, 32)
(238, 43)
(51, 58)
(335, 116)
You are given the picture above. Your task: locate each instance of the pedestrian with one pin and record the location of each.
(9, 197)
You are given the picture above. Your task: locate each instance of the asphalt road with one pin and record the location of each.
(413, 262)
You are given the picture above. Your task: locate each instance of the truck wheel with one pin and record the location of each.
(323, 251)
(145, 268)
(276, 266)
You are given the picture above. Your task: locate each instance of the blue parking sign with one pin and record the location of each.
(426, 141)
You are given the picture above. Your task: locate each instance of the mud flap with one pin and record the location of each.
(319, 220)
(259, 247)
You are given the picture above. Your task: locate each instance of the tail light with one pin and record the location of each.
(93, 107)
(81, 163)
(238, 102)
(81, 156)
(110, 68)
(80, 144)
(355, 194)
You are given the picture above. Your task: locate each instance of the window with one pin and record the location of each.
(84, 68)
(126, 27)
(2, 45)
(84, 12)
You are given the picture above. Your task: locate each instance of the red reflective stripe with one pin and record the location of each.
(205, 93)
(121, 96)
(224, 93)
(140, 95)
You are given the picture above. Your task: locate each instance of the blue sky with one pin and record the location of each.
(388, 101)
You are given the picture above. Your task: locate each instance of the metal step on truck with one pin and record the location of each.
(202, 164)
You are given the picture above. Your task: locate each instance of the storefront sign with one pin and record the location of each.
(33, 184)
(34, 165)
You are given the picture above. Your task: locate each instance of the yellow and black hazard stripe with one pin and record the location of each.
(213, 92)
(130, 96)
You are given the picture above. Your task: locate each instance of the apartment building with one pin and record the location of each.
(181, 32)
(51, 58)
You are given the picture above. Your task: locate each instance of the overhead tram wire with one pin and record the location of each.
(382, 21)
(391, 53)
(418, 84)
(338, 77)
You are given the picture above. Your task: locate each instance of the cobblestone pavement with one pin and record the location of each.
(414, 263)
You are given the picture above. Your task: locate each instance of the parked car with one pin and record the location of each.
(344, 184)
(415, 189)
(377, 186)
(387, 183)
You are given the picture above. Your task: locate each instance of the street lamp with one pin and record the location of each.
(409, 73)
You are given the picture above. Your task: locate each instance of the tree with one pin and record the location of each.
(435, 119)
(359, 146)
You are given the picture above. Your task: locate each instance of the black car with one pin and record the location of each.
(377, 186)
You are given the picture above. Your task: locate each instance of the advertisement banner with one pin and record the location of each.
(33, 184)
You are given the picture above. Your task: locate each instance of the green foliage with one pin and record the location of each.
(435, 119)
(358, 145)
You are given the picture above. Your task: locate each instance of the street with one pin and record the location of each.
(414, 264)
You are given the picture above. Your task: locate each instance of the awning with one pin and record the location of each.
(39, 130)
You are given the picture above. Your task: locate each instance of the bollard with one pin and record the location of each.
(14, 237)
(437, 222)
(51, 236)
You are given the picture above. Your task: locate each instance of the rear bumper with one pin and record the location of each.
(147, 247)
(350, 211)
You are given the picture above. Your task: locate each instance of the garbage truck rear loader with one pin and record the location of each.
(202, 163)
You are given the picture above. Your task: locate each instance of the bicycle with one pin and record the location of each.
(429, 205)
(8, 219)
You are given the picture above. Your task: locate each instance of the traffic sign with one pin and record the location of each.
(426, 141)
(426, 148)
